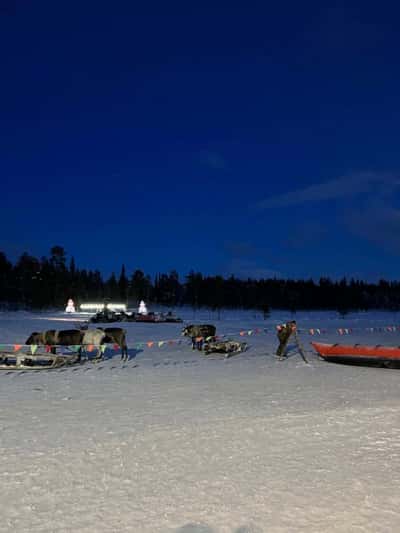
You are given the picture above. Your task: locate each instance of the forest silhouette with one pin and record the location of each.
(50, 281)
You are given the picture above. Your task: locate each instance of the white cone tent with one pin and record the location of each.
(70, 306)
(142, 308)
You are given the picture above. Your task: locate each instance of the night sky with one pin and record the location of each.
(246, 138)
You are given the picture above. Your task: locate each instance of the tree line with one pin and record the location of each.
(50, 281)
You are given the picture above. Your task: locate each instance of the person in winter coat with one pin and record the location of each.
(284, 331)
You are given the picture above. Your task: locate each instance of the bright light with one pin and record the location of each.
(90, 307)
(100, 306)
(118, 307)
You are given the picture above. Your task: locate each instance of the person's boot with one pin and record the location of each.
(280, 353)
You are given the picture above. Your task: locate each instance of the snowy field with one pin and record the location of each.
(174, 442)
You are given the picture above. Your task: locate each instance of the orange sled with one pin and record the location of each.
(357, 354)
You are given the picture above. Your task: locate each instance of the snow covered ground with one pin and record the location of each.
(175, 442)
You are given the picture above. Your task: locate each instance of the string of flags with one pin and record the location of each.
(349, 331)
(174, 342)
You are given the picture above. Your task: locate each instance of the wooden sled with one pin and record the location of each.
(24, 361)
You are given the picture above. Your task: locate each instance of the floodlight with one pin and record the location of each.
(99, 306)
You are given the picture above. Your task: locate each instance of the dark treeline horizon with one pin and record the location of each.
(51, 281)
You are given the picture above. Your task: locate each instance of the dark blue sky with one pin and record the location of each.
(252, 138)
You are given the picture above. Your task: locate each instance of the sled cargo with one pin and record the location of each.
(228, 348)
(358, 354)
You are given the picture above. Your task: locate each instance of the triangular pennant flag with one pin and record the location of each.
(242, 333)
(90, 348)
(48, 348)
(17, 347)
(249, 332)
(160, 343)
(34, 347)
(116, 347)
(103, 348)
(150, 344)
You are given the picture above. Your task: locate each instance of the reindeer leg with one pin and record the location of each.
(99, 354)
(124, 352)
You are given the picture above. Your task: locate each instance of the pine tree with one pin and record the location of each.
(123, 285)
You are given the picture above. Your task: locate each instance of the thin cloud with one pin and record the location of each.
(379, 225)
(342, 187)
(306, 234)
(213, 160)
